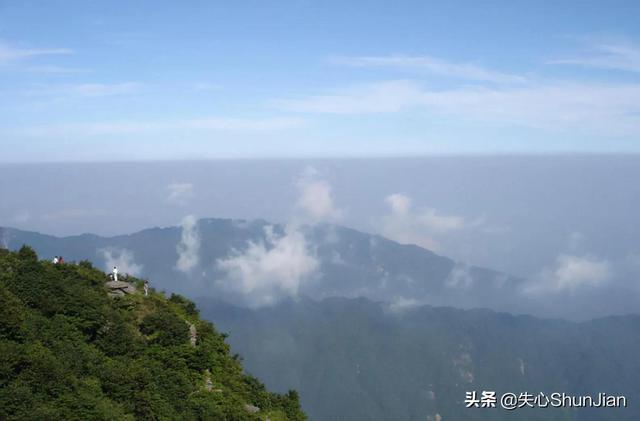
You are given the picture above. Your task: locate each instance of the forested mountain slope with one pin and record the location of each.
(69, 351)
(374, 362)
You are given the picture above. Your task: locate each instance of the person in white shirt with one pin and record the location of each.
(55, 260)
(115, 273)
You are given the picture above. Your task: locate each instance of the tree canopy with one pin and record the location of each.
(69, 351)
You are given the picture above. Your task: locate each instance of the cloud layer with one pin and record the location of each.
(315, 198)
(422, 227)
(609, 56)
(267, 271)
(122, 258)
(180, 193)
(189, 246)
(10, 53)
(572, 273)
(557, 106)
(433, 65)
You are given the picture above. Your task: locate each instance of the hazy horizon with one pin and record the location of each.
(529, 216)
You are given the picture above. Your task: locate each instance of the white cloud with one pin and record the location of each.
(422, 227)
(315, 198)
(400, 204)
(439, 223)
(122, 258)
(155, 127)
(266, 272)
(459, 277)
(277, 267)
(4, 239)
(607, 56)
(572, 273)
(432, 65)
(564, 106)
(403, 304)
(11, 53)
(189, 246)
(180, 193)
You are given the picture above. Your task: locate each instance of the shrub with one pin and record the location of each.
(166, 328)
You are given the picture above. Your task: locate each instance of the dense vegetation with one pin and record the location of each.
(68, 351)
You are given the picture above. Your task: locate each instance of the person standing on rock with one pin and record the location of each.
(114, 273)
(55, 260)
(146, 288)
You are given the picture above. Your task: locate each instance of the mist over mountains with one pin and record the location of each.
(352, 302)
(517, 214)
(352, 359)
(255, 264)
(348, 318)
(385, 206)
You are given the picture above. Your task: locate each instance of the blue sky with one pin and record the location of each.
(89, 80)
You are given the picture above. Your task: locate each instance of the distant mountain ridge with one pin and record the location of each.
(374, 362)
(367, 337)
(350, 264)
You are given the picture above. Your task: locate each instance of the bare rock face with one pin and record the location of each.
(251, 408)
(119, 288)
(208, 384)
(193, 334)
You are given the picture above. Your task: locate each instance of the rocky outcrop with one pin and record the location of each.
(252, 409)
(119, 288)
(208, 384)
(193, 335)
